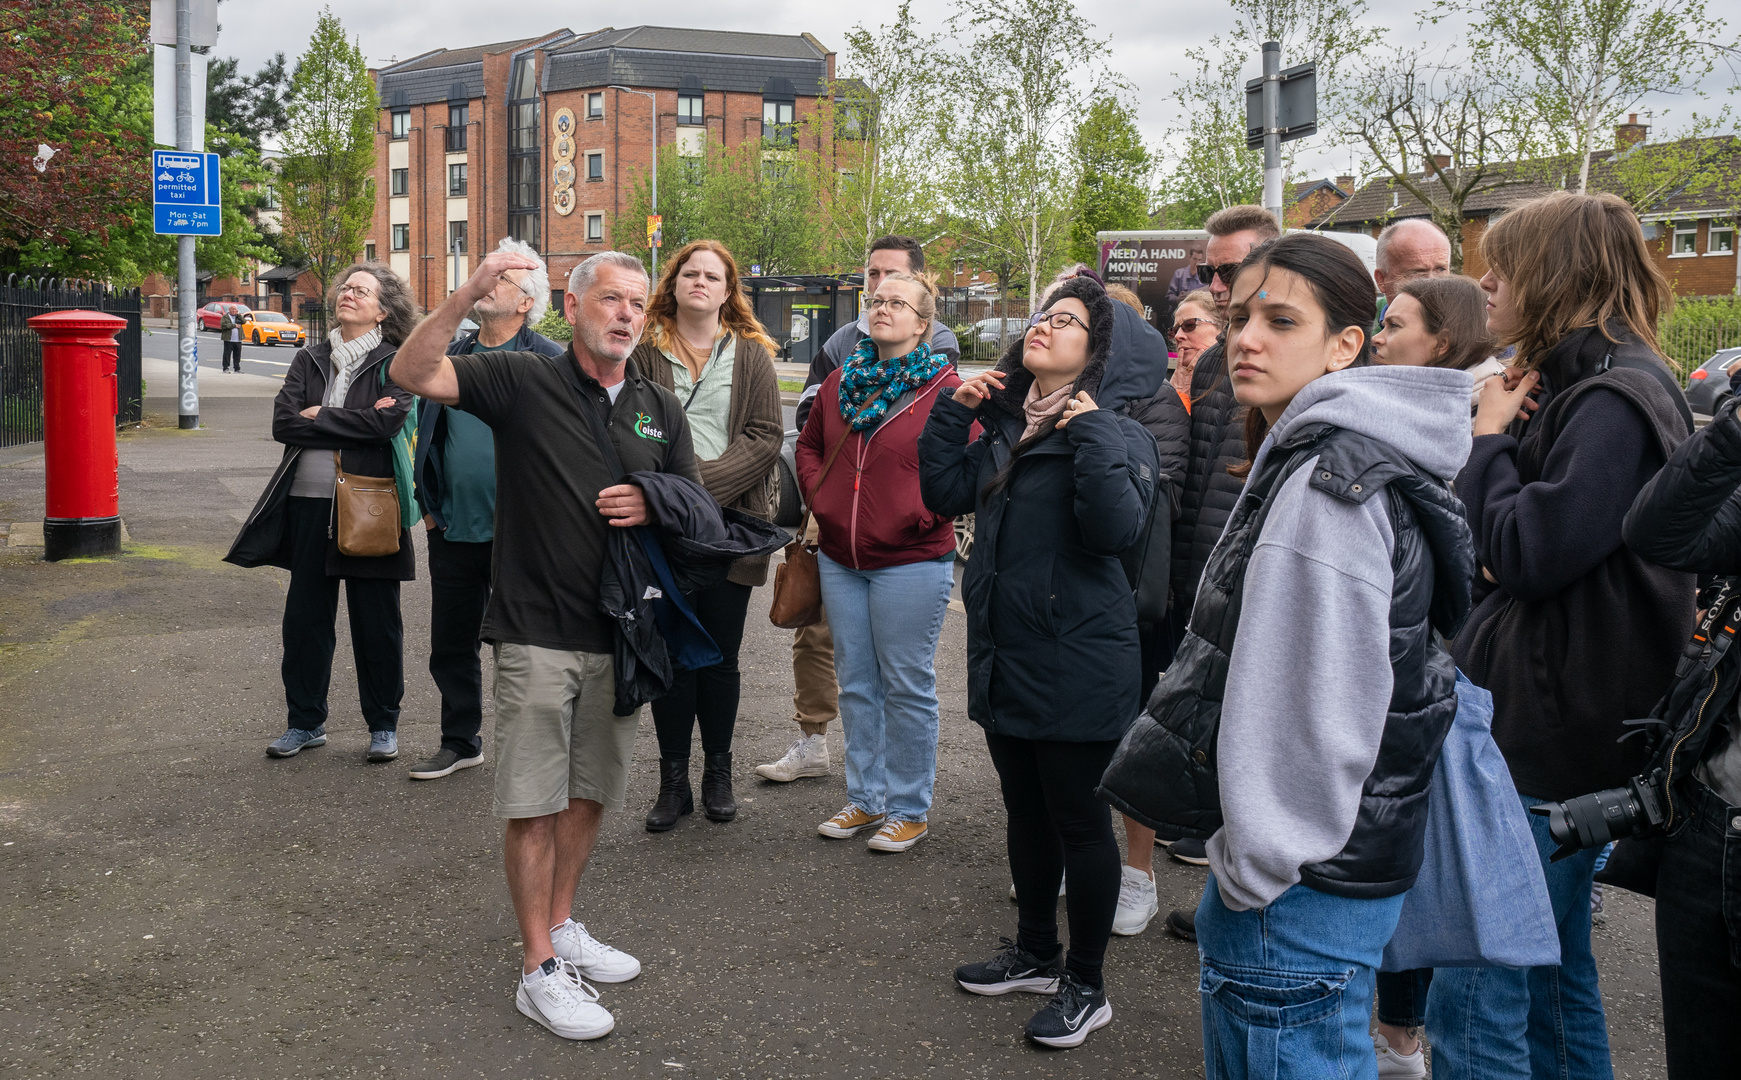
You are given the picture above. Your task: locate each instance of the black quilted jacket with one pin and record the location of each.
(1209, 495)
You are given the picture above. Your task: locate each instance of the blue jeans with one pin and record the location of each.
(1287, 989)
(1544, 1022)
(886, 623)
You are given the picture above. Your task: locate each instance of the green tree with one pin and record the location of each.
(1579, 65)
(878, 119)
(1024, 72)
(251, 107)
(327, 194)
(1113, 169)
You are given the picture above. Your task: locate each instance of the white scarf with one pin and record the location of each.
(347, 356)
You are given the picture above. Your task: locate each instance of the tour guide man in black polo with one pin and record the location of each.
(562, 757)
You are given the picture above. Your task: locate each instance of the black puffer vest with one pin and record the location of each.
(1164, 773)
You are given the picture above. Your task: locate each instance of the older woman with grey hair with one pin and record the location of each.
(338, 409)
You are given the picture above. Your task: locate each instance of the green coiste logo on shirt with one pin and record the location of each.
(645, 429)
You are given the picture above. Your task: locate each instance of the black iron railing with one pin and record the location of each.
(21, 350)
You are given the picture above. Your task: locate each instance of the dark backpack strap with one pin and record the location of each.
(1626, 355)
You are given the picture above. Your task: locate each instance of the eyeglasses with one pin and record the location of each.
(359, 291)
(1058, 320)
(1207, 274)
(894, 303)
(521, 285)
(1189, 326)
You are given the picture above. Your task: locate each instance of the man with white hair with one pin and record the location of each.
(562, 755)
(1409, 249)
(455, 471)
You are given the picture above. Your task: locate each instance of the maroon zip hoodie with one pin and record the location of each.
(868, 511)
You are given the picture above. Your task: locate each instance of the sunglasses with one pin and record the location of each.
(1207, 273)
(1058, 320)
(1189, 326)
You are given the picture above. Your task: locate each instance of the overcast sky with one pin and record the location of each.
(1149, 37)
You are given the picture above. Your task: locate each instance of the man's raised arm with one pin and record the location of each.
(421, 364)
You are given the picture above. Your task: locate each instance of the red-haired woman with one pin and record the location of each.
(704, 344)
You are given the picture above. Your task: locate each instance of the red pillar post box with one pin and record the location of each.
(80, 397)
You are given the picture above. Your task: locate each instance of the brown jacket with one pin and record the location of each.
(744, 477)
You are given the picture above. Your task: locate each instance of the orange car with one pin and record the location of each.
(273, 328)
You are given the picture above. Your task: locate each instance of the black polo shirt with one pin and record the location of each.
(550, 537)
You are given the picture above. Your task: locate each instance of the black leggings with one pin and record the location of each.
(708, 697)
(1056, 823)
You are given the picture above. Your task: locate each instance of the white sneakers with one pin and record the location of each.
(594, 958)
(1395, 1066)
(1137, 903)
(557, 997)
(806, 757)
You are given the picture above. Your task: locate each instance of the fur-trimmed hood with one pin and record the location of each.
(1128, 361)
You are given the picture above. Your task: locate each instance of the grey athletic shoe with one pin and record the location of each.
(383, 746)
(443, 763)
(295, 740)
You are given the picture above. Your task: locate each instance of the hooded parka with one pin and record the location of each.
(358, 431)
(1052, 645)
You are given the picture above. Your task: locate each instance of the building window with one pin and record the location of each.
(399, 181)
(1686, 238)
(524, 227)
(595, 228)
(1721, 239)
(595, 106)
(401, 238)
(689, 108)
(850, 119)
(457, 118)
(369, 252)
(595, 167)
(401, 123)
(456, 179)
(522, 183)
(456, 237)
(777, 122)
(268, 198)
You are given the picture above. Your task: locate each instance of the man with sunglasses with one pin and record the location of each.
(455, 470)
(1217, 442)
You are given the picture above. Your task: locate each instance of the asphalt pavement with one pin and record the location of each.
(175, 904)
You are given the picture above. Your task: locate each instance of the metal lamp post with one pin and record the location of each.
(653, 162)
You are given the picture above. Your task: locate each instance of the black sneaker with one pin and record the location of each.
(1189, 851)
(443, 763)
(1013, 968)
(1183, 924)
(1072, 1013)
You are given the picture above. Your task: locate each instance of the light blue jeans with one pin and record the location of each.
(886, 623)
(1287, 989)
(1545, 1022)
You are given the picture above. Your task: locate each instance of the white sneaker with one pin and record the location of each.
(565, 1003)
(594, 958)
(1137, 903)
(1395, 1066)
(806, 757)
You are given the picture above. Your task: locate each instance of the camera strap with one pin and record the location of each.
(1715, 633)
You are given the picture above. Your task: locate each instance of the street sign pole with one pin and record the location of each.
(187, 388)
(1272, 136)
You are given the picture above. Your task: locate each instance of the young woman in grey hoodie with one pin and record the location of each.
(1300, 722)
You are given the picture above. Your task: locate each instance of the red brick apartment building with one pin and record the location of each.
(543, 138)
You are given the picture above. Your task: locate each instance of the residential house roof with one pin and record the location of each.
(431, 77)
(661, 56)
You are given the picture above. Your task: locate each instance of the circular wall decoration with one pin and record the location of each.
(562, 190)
(564, 148)
(563, 173)
(563, 122)
(563, 201)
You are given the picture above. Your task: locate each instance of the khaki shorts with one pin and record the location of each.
(556, 737)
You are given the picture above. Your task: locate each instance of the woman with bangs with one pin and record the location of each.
(704, 344)
(1574, 634)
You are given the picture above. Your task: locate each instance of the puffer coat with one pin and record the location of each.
(1209, 494)
(1052, 645)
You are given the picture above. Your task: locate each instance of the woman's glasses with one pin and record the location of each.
(894, 303)
(1058, 320)
(1188, 326)
(358, 291)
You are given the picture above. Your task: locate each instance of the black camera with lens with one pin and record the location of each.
(1678, 729)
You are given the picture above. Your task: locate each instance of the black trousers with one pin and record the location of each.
(311, 607)
(1402, 997)
(709, 696)
(1056, 824)
(232, 349)
(1698, 939)
(459, 591)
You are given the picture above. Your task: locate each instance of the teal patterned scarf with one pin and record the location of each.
(868, 386)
